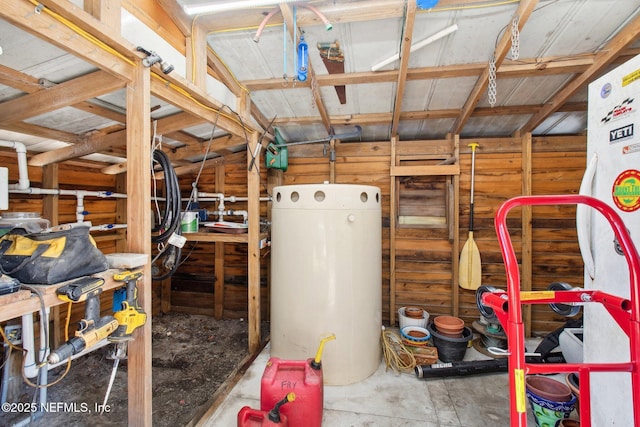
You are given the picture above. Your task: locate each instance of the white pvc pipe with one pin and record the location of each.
(106, 227)
(231, 212)
(232, 199)
(83, 193)
(28, 343)
(30, 369)
(23, 172)
(80, 212)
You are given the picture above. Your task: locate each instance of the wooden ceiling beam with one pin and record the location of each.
(63, 95)
(532, 67)
(199, 106)
(176, 122)
(405, 54)
(385, 118)
(523, 12)
(164, 17)
(46, 26)
(604, 58)
(93, 144)
(336, 12)
(101, 142)
(44, 132)
(30, 84)
(17, 80)
(223, 73)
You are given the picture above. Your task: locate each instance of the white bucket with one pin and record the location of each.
(189, 222)
(408, 321)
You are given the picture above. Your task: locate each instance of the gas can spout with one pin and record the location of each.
(274, 414)
(316, 362)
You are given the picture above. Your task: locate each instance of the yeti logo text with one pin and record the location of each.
(620, 134)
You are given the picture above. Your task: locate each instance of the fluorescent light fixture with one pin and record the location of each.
(416, 46)
(229, 5)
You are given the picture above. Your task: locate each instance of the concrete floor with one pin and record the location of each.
(388, 399)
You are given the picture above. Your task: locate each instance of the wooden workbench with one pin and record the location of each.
(11, 308)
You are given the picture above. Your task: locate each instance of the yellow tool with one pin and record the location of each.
(131, 316)
(93, 328)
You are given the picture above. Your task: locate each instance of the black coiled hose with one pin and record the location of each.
(170, 218)
(169, 221)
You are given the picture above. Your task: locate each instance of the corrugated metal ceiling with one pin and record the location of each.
(556, 32)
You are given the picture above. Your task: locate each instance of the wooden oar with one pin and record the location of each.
(470, 273)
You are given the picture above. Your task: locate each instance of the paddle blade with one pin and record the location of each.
(470, 273)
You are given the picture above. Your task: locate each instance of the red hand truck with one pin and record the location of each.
(507, 307)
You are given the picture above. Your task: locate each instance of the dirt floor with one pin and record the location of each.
(192, 357)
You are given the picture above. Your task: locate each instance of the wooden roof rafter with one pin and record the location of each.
(405, 54)
(523, 13)
(526, 67)
(385, 118)
(63, 95)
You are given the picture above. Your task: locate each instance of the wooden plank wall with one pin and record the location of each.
(423, 263)
(192, 286)
(557, 166)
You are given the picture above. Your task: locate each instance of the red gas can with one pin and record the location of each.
(249, 417)
(302, 377)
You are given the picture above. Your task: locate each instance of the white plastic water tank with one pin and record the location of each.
(326, 277)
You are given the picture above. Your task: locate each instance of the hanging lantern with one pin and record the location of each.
(303, 59)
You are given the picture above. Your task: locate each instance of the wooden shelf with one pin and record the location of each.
(221, 237)
(16, 308)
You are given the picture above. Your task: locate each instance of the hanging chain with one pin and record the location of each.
(491, 90)
(515, 38)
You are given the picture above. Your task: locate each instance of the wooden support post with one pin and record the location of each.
(455, 226)
(525, 280)
(107, 11)
(139, 240)
(218, 273)
(253, 243)
(197, 57)
(393, 188)
(50, 211)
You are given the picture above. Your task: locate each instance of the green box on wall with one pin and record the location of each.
(277, 154)
(277, 157)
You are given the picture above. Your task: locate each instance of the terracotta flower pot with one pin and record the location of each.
(449, 326)
(573, 381)
(413, 312)
(548, 388)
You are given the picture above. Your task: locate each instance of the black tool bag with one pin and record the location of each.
(50, 257)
